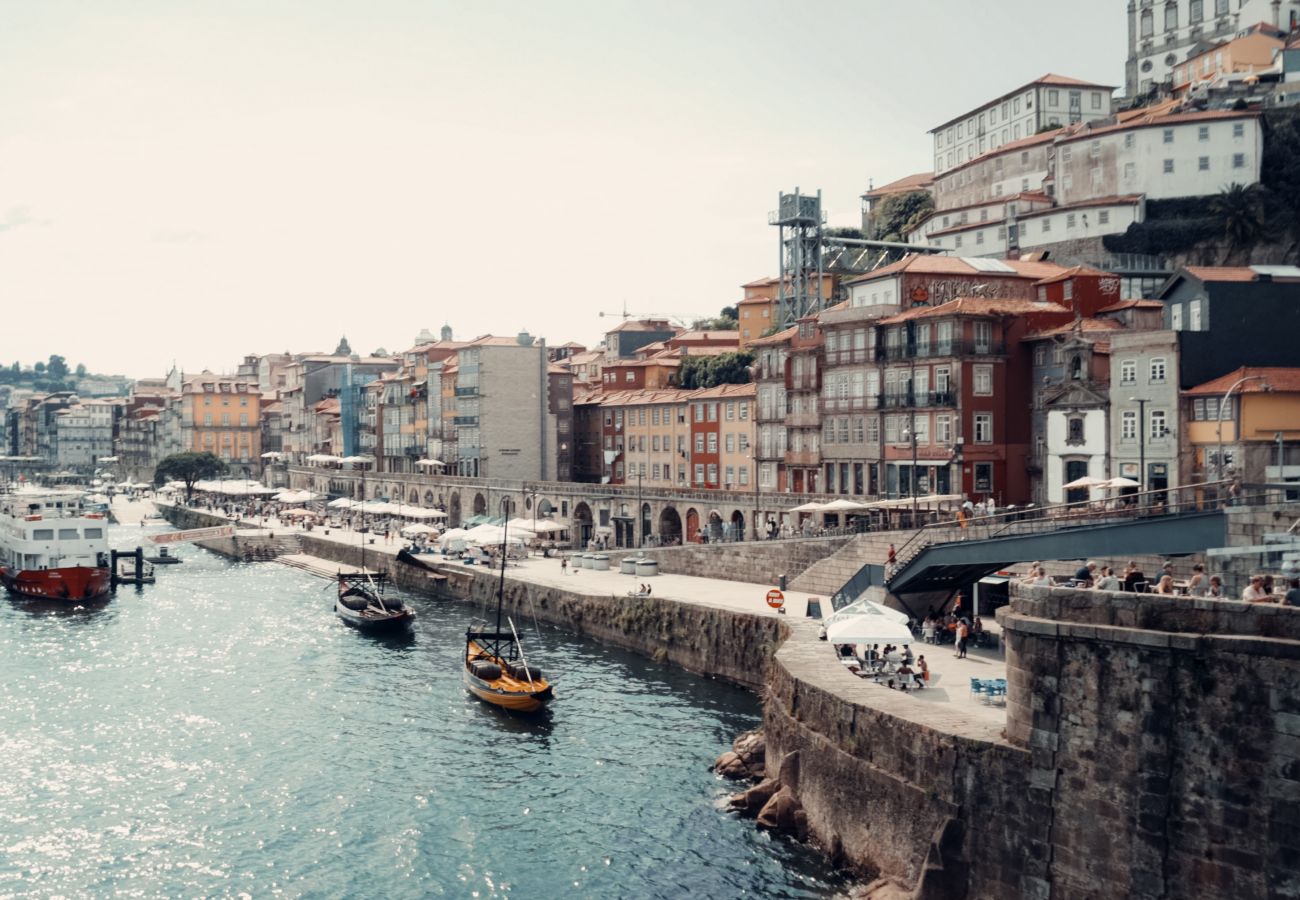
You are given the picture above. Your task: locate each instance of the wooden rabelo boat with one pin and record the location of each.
(361, 601)
(495, 669)
(362, 604)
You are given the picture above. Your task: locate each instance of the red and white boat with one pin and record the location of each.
(52, 546)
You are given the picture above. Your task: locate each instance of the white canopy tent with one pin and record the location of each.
(324, 458)
(844, 506)
(869, 628)
(430, 463)
(419, 512)
(1087, 481)
(296, 496)
(865, 607)
(236, 488)
(418, 528)
(809, 507)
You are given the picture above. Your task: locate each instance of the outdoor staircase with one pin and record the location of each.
(264, 549)
(830, 574)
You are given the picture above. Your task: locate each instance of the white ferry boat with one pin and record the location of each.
(52, 545)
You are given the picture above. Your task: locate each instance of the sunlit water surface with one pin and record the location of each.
(221, 733)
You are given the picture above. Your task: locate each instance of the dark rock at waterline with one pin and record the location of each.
(750, 802)
(746, 758)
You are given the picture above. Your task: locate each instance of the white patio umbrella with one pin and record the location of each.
(865, 607)
(418, 528)
(843, 506)
(868, 628)
(340, 503)
(1087, 481)
(1120, 481)
(808, 507)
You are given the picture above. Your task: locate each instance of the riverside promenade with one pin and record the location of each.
(946, 706)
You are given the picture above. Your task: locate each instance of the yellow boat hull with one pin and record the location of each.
(507, 692)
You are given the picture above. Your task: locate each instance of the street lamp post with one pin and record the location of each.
(910, 430)
(1142, 443)
(639, 522)
(758, 507)
(1227, 395)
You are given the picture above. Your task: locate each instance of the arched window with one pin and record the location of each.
(1076, 368)
(1074, 430)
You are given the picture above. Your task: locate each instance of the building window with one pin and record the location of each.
(1074, 430)
(1239, 160)
(1238, 129)
(1148, 23)
(1070, 220)
(1176, 317)
(713, 442)
(983, 380)
(1158, 370)
(891, 429)
(1194, 315)
(1128, 371)
(1157, 429)
(699, 473)
(1047, 224)
(1168, 135)
(699, 442)
(1169, 167)
(943, 429)
(983, 428)
(1128, 426)
(1171, 16)
(1196, 11)
(1096, 100)
(1202, 164)
(1103, 217)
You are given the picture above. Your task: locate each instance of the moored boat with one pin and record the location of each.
(495, 669)
(361, 603)
(52, 547)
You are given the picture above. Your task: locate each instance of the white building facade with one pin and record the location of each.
(1049, 102)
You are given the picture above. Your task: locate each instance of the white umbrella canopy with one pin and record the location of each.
(452, 534)
(837, 506)
(340, 503)
(1120, 481)
(810, 506)
(868, 628)
(419, 528)
(1087, 481)
(865, 607)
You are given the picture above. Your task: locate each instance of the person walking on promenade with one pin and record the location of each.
(891, 561)
(962, 634)
(564, 565)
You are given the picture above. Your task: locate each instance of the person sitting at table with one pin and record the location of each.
(1215, 590)
(1132, 576)
(907, 654)
(873, 654)
(1043, 579)
(1254, 592)
(1198, 584)
(1084, 574)
(923, 667)
(1165, 585)
(1107, 581)
(846, 651)
(906, 673)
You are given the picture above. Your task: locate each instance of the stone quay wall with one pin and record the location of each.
(757, 561)
(1164, 736)
(1151, 750)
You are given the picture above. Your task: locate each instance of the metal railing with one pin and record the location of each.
(1043, 519)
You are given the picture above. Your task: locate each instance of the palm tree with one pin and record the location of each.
(1240, 209)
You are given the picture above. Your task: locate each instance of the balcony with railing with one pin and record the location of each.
(803, 381)
(804, 418)
(803, 458)
(849, 404)
(921, 400)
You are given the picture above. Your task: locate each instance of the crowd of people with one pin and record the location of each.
(1261, 589)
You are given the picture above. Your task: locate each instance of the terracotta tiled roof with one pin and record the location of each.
(725, 391)
(645, 397)
(1085, 326)
(644, 325)
(1132, 304)
(779, 338)
(1154, 118)
(1071, 272)
(1062, 80)
(976, 306)
(957, 265)
(917, 182)
(1222, 273)
(761, 282)
(755, 300)
(1048, 79)
(1264, 378)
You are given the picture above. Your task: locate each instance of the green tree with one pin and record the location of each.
(727, 319)
(1279, 173)
(57, 367)
(711, 371)
(81, 370)
(1241, 210)
(899, 213)
(188, 467)
(39, 368)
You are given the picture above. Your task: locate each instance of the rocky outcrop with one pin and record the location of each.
(746, 758)
(775, 801)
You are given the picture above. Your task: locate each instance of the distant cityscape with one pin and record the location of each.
(1082, 285)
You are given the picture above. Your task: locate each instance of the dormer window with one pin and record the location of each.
(1076, 368)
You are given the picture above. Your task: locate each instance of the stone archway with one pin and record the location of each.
(376, 492)
(415, 497)
(480, 504)
(582, 526)
(692, 525)
(644, 528)
(544, 507)
(670, 527)
(453, 513)
(428, 498)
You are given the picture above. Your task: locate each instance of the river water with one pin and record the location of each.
(221, 733)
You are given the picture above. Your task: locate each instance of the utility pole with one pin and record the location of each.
(1236, 437)
(1142, 444)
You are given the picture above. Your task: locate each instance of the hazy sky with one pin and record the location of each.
(199, 181)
